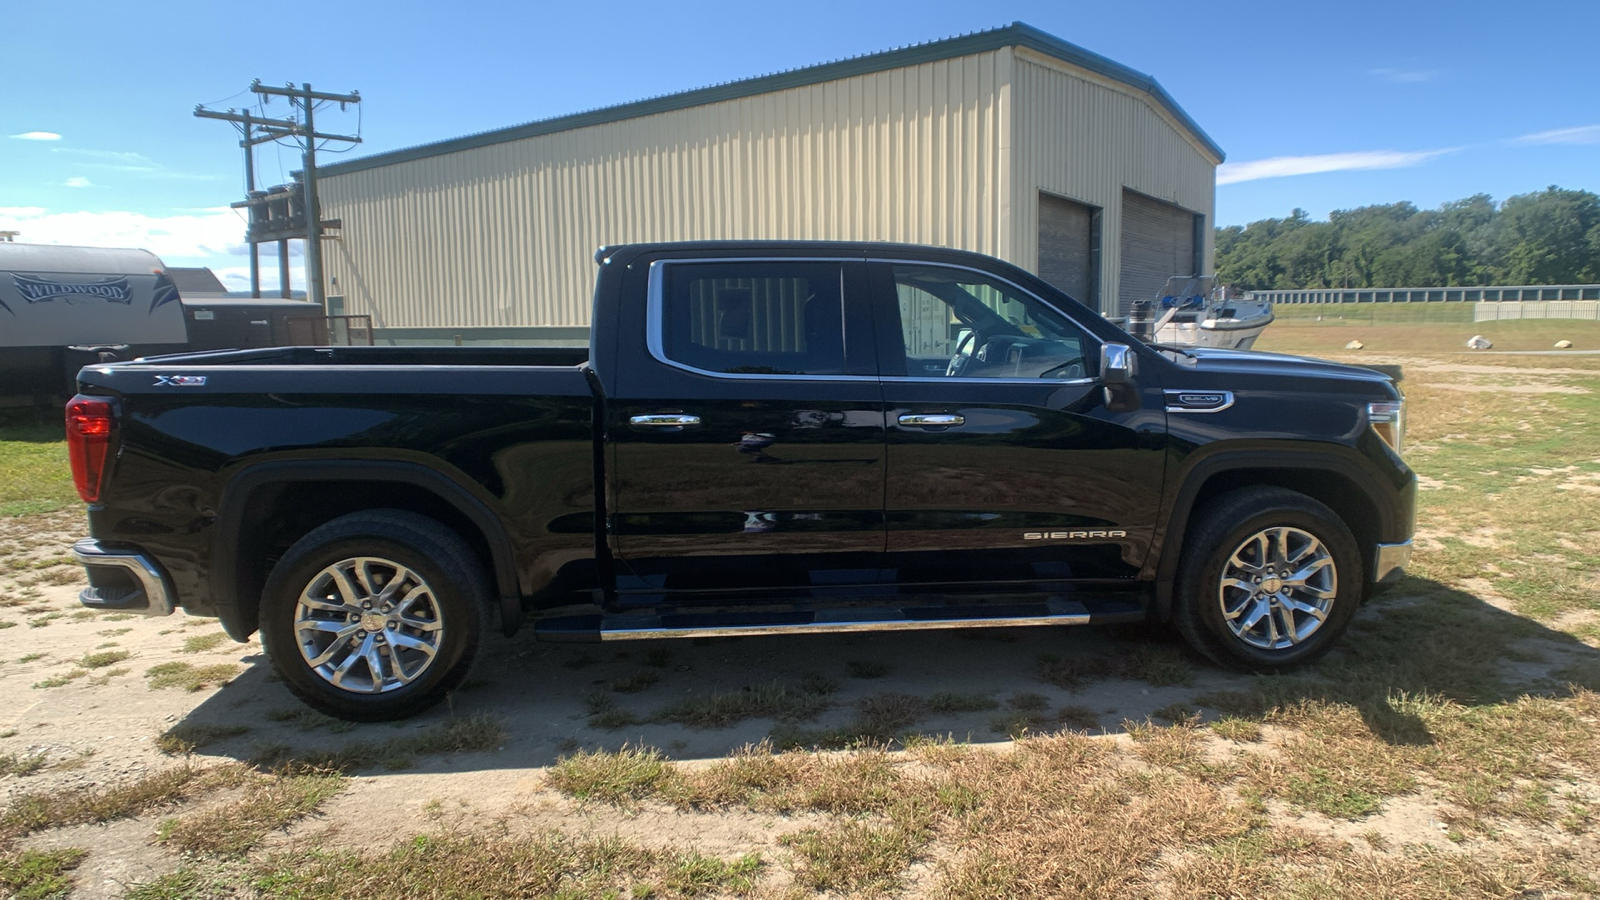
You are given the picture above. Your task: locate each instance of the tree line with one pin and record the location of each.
(1546, 237)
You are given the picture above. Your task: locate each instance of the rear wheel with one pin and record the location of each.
(375, 615)
(1269, 580)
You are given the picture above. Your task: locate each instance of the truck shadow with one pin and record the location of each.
(705, 698)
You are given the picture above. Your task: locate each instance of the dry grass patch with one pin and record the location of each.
(40, 874)
(53, 808)
(200, 643)
(268, 804)
(189, 677)
(1058, 817)
(480, 733)
(621, 777)
(854, 857)
(764, 700)
(103, 658)
(477, 866)
(21, 763)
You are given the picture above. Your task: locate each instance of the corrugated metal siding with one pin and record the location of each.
(502, 235)
(1087, 138)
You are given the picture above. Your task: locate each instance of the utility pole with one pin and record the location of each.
(246, 123)
(306, 99)
(260, 130)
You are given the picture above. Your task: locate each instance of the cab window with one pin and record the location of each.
(956, 323)
(757, 318)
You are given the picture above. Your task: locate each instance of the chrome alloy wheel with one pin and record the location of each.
(368, 625)
(1277, 588)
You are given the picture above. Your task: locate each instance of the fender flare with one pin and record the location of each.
(1195, 476)
(233, 503)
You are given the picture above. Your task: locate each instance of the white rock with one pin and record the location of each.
(1354, 345)
(1562, 345)
(1478, 342)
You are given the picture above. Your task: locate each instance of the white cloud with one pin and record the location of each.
(124, 157)
(1404, 76)
(77, 181)
(1285, 166)
(200, 235)
(1583, 134)
(37, 136)
(237, 278)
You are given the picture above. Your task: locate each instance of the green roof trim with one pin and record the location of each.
(1017, 34)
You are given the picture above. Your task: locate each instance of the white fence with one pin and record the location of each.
(1536, 309)
(1502, 294)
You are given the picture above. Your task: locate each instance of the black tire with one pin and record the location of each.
(446, 607)
(1223, 528)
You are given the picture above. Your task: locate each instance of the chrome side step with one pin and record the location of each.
(633, 627)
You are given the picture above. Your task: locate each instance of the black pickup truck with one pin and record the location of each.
(761, 438)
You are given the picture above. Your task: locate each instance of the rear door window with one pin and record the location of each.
(755, 318)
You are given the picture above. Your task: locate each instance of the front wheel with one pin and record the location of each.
(375, 615)
(1269, 580)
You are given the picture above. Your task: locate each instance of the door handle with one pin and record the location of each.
(932, 420)
(665, 420)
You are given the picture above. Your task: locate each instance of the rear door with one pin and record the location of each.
(747, 435)
(1005, 466)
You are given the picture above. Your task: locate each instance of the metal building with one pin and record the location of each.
(1009, 142)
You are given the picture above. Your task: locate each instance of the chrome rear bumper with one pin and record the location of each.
(1389, 562)
(123, 580)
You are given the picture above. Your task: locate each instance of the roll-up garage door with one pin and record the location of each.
(1157, 243)
(1066, 246)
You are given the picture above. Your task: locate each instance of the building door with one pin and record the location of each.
(1158, 242)
(747, 437)
(1004, 465)
(1066, 248)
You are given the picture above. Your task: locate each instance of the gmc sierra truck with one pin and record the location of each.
(762, 438)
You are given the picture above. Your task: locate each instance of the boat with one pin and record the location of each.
(1193, 311)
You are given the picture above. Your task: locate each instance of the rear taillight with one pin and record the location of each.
(89, 422)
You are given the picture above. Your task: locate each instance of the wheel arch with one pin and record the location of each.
(1338, 482)
(249, 500)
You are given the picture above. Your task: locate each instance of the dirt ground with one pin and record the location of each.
(86, 717)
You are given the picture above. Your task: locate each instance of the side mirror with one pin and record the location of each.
(1118, 364)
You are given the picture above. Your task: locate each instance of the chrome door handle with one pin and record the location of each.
(665, 420)
(932, 420)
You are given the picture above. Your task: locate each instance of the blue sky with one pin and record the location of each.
(1321, 106)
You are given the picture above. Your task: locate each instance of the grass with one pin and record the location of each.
(480, 733)
(237, 826)
(866, 668)
(621, 777)
(1469, 690)
(38, 476)
(40, 874)
(762, 700)
(189, 677)
(549, 864)
(200, 643)
(53, 808)
(1411, 327)
(185, 738)
(21, 763)
(1153, 664)
(103, 658)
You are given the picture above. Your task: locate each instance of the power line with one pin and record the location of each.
(300, 128)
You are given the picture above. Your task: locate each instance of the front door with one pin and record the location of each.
(1004, 464)
(751, 453)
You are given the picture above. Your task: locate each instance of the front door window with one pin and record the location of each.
(959, 324)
